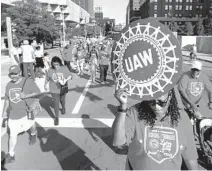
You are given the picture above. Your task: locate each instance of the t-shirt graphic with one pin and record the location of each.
(14, 95)
(196, 88)
(57, 76)
(161, 143)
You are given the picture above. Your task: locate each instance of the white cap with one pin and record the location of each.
(196, 65)
(26, 42)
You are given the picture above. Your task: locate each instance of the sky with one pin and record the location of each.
(113, 9)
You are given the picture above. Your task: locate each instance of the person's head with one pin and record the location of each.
(196, 69)
(14, 73)
(164, 105)
(56, 62)
(25, 42)
(37, 48)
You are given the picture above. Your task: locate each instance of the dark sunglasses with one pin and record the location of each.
(159, 102)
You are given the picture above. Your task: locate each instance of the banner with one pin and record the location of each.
(146, 59)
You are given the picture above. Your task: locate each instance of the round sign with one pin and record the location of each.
(146, 59)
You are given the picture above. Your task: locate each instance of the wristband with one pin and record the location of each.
(121, 110)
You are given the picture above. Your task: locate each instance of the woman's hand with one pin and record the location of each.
(122, 96)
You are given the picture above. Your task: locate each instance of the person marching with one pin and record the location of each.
(80, 59)
(104, 60)
(16, 108)
(57, 77)
(39, 62)
(68, 56)
(93, 58)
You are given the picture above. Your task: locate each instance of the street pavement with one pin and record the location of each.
(83, 139)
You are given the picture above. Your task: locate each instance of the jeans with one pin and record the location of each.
(57, 100)
(29, 66)
(103, 72)
(68, 64)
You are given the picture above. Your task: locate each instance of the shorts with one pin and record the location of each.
(20, 125)
(39, 62)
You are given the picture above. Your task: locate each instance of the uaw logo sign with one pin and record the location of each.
(161, 143)
(146, 60)
(196, 88)
(15, 95)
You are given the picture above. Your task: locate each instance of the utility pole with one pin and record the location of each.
(9, 36)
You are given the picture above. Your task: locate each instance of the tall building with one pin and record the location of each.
(87, 5)
(179, 11)
(133, 11)
(98, 13)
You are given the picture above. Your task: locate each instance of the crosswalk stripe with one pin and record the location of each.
(76, 122)
(81, 98)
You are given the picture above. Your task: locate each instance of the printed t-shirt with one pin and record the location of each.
(18, 107)
(103, 58)
(54, 75)
(194, 87)
(160, 147)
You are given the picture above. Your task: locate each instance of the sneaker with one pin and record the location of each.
(32, 139)
(9, 159)
(63, 111)
(56, 121)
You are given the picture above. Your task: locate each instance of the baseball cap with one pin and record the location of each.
(196, 65)
(14, 69)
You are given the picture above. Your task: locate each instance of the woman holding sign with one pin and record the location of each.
(58, 76)
(157, 133)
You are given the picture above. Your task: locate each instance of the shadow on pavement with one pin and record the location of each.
(112, 108)
(2, 160)
(47, 103)
(68, 154)
(104, 133)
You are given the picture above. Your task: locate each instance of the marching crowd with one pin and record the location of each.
(77, 56)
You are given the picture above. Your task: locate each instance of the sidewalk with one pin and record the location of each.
(200, 56)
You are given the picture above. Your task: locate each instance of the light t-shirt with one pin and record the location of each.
(160, 147)
(104, 58)
(54, 75)
(38, 54)
(27, 51)
(18, 107)
(194, 87)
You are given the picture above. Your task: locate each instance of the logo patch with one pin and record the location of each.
(161, 143)
(15, 94)
(57, 76)
(196, 88)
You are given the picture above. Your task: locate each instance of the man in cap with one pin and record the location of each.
(16, 106)
(28, 59)
(191, 86)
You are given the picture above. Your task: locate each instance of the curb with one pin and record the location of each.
(205, 60)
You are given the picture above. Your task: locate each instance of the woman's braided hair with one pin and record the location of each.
(146, 113)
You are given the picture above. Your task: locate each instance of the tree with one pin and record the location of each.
(33, 21)
(200, 27)
(189, 29)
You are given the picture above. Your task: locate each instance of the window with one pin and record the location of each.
(170, 7)
(200, 15)
(190, 7)
(187, 0)
(156, 0)
(197, 15)
(176, 7)
(155, 7)
(170, 0)
(180, 0)
(167, 0)
(176, 15)
(180, 22)
(197, 6)
(166, 15)
(180, 7)
(180, 15)
(187, 7)
(166, 7)
(191, 0)
(200, 7)
(176, 0)
(155, 15)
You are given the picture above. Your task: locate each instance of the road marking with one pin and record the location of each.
(81, 98)
(76, 122)
(72, 123)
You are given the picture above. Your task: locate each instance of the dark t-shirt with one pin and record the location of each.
(54, 75)
(160, 147)
(18, 107)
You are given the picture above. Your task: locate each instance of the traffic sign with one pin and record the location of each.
(146, 60)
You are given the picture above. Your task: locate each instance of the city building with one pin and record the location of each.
(87, 5)
(98, 13)
(133, 11)
(179, 11)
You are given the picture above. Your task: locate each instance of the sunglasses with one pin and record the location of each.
(161, 103)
